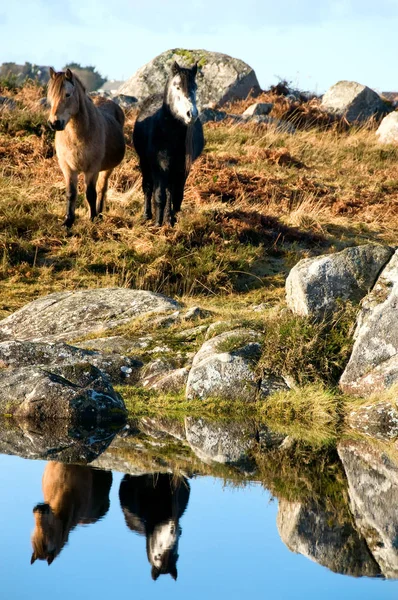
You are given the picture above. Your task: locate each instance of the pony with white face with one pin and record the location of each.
(89, 139)
(168, 137)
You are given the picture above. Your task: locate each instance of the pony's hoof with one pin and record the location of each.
(68, 222)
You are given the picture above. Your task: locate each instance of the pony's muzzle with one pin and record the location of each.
(57, 125)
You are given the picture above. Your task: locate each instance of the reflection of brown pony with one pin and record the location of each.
(89, 138)
(152, 506)
(72, 495)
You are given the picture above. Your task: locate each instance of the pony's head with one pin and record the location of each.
(47, 536)
(180, 93)
(63, 97)
(162, 548)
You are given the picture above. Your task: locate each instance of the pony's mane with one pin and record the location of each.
(56, 86)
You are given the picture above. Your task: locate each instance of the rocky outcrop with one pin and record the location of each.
(378, 420)
(317, 533)
(65, 316)
(354, 101)
(387, 132)
(373, 365)
(373, 490)
(220, 79)
(315, 286)
(76, 393)
(119, 369)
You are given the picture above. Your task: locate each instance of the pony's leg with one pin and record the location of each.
(178, 191)
(91, 193)
(71, 194)
(160, 201)
(169, 212)
(147, 188)
(102, 187)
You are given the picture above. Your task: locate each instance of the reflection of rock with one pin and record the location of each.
(322, 536)
(73, 392)
(373, 490)
(221, 442)
(378, 420)
(152, 506)
(73, 495)
(54, 440)
(64, 316)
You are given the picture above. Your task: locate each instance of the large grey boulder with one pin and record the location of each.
(225, 365)
(76, 393)
(373, 365)
(315, 286)
(65, 316)
(221, 442)
(119, 369)
(387, 132)
(325, 537)
(373, 490)
(354, 101)
(220, 79)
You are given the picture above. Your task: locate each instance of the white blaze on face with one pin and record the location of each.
(182, 106)
(163, 538)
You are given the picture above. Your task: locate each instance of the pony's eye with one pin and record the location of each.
(67, 95)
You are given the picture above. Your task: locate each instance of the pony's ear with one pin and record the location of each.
(52, 73)
(155, 573)
(69, 75)
(33, 558)
(50, 558)
(173, 573)
(194, 69)
(175, 68)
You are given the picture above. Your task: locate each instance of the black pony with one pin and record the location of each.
(168, 137)
(152, 506)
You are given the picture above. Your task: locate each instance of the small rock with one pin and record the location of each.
(388, 129)
(354, 101)
(258, 109)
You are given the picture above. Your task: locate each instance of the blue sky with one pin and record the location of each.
(312, 43)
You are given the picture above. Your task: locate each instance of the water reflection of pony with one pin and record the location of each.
(89, 138)
(73, 495)
(152, 506)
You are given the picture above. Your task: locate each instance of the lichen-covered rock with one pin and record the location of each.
(373, 490)
(225, 373)
(319, 534)
(113, 344)
(315, 285)
(77, 393)
(119, 369)
(65, 316)
(378, 420)
(220, 79)
(354, 101)
(373, 365)
(387, 132)
(172, 382)
(221, 442)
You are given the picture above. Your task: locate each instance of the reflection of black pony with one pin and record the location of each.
(73, 495)
(168, 137)
(152, 506)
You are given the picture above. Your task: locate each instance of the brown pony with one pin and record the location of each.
(73, 495)
(89, 138)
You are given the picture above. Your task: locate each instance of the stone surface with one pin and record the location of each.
(114, 344)
(119, 369)
(65, 316)
(221, 442)
(258, 108)
(354, 101)
(387, 132)
(373, 490)
(315, 285)
(317, 533)
(77, 393)
(378, 420)
(373, 365)
(173, 381)
(54, 440)
(226, 374)
(220, 78)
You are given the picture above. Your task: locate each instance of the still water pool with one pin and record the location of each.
(111, 531)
